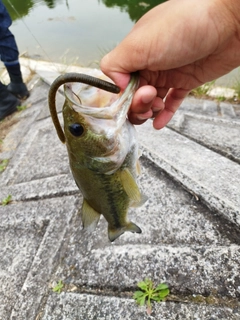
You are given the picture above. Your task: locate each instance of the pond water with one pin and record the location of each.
(78, 31)
(73, 31)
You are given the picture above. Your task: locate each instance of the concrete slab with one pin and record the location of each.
(228, 111)
(41, 155)
(220, 135)
(72, 306)
(31, 235)
(207, 174)
(192, 245)
(200, 106)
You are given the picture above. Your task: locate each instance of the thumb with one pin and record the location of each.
(116, 73)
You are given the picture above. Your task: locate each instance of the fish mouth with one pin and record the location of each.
(87, 100)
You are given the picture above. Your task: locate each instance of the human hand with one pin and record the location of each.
(175, 47)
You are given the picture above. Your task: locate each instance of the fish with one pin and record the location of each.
(103, 152)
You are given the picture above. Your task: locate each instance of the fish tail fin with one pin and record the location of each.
(90, 217)
(113, 234)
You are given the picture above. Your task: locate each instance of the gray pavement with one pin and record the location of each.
(190, 224)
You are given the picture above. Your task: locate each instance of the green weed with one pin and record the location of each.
(148, 293)
(203, 90)
(237, 89)
(3, 164)
(220, 98)
(21, 108)
(6, 200)
(58, 287)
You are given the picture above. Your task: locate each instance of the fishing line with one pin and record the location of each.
(21, 18)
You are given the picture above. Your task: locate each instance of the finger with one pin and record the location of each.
(173, 100)
(120, 79)
(142, 103)
(143, 99)
(139, 118)
(136, 118)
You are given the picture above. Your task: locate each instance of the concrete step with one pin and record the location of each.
(190, 227)
(212, 108)
(92, 306)
(218, 134)
(210, 176)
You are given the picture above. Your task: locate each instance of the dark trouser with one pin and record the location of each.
(10, 94)
(8, 47)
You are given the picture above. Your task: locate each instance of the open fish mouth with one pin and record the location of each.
(108, 104)
(97, 103)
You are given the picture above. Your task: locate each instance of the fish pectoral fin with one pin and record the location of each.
(138, 168)
(135, 204)
(113, 234)
(131, 188)
(90, 217)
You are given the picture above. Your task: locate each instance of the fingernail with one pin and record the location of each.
(142, 117)
(156, 109)
(147, 99)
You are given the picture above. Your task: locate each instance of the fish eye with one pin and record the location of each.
(76, 129)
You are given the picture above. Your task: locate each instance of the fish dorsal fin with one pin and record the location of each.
(90, 217)
(130, 186)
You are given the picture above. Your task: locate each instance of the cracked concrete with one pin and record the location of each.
(190, 224)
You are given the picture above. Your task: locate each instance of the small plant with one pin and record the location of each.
(6, 200)
(203, 89)
(3, 164)
(149, 292)
(237, 89)
(21, 108)
(221, 98)
(58, 287)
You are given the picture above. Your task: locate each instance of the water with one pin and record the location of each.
(73, 31)
(79, 31)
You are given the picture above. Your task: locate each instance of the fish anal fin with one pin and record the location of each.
(90, 217)
(113, 234)
(130, 186)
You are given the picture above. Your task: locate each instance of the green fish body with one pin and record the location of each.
(103, 156)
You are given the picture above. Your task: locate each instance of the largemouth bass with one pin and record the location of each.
(103, 152)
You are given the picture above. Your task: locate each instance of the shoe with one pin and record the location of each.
(8, 102)
(19, 90)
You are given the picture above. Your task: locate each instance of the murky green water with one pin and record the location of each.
(78, 31)
(73, 30)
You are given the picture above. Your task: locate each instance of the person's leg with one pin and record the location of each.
(8, 102)
(16, 86)
(9, 56)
